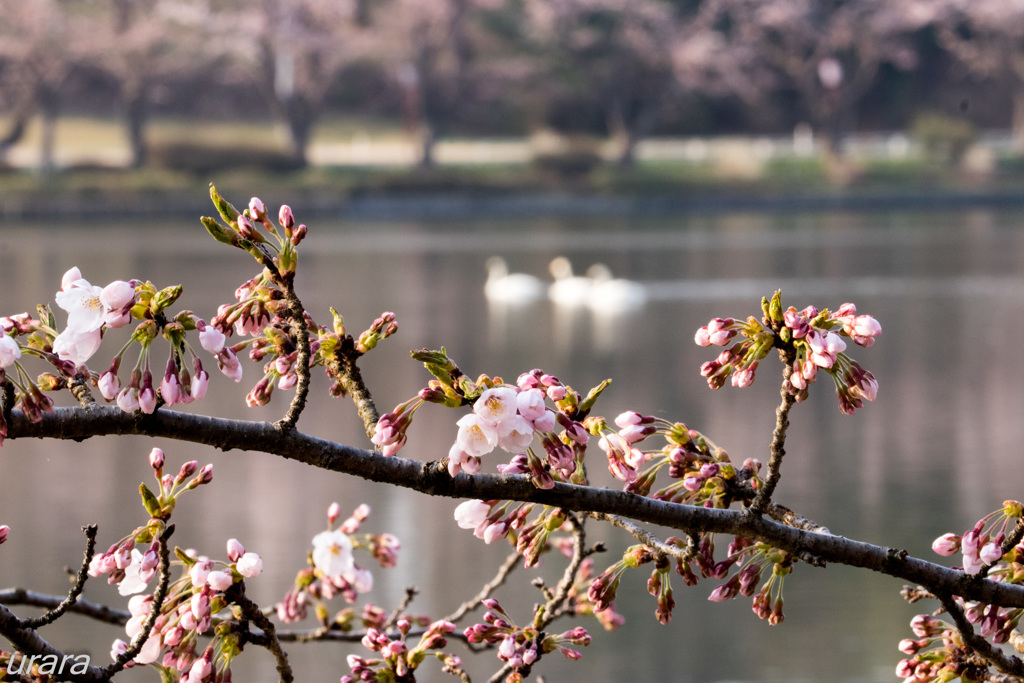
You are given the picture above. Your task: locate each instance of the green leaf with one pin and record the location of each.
(224, 208)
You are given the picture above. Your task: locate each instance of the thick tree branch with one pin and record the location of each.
(429, 478)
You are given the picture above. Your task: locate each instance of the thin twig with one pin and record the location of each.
(410, 593)
(93, 610)
(1010, 665)
(778, 443)
(76, 589)
(159, 595)
(298, 323)
(504, 570)
(683, 555)
(270, 641)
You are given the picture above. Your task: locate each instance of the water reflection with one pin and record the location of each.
(947, 289)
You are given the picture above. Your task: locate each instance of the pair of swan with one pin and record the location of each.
(598, 290)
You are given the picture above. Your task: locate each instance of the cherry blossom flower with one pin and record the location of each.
(10, 351)
(472, 513)
(332, 554)
(135, 579)
(476, 436)
(497, 404)
(77, 346)
(249, 565)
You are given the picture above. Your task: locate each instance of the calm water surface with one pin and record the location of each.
(933, 454)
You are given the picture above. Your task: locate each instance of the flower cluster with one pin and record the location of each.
(332, 568)
(205, 588)
(811, 340)
(982, 546)
(751, 560)
(937, 653)
(397, 660)
(520, 647)
(90, 310)
(508, 418)
(494, 520)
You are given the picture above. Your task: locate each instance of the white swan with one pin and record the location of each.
(510, 288)
(612, 296)
(567, 289)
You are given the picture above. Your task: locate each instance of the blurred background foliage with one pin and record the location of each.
(835, 89)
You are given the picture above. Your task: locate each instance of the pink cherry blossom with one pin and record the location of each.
(10, 351)
(472, 513)
(497, 404)
(515, 434)
(476, 436)
(332, 553)
(77, 346)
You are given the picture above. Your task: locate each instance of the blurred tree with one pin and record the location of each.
(987, 37)
(293, 51)
(434, 52)
(144, 45)
(615, 54)
(827, 51)
(40, 42)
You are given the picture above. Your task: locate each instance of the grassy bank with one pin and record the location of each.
(359, 160)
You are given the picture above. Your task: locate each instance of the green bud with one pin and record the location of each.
(287, 261)
(174, 332)
(219, 232)
(186, 320)
(149, 501)
(48, 381)
(339, 324)
(588, 403)
(775, 307)
(187, 559)
(164, 298)
(145, 332)
(786, 334)
(224, 208)
(46, 316)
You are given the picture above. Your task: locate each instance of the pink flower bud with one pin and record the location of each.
(235, 549)
(249, 565)
(156, 458)
(946, 544)
(285, 217)
(219, 581)
(333, 512)
(4, 530)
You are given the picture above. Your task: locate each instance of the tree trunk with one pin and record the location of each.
(299, 115)
(136, 122)
(1018, 121)
(48, 106)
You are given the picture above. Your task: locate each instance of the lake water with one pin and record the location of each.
(933, 454)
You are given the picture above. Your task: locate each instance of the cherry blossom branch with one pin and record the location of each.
(164, 575)
(432, 479)
(506, 568)
(410, 594)
(350, 380)
(297, 313)
(683, 555)
(1009, 665)
(76, 589)
(87, 608)
(28, 641)
(269, 639)
(778, 443)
